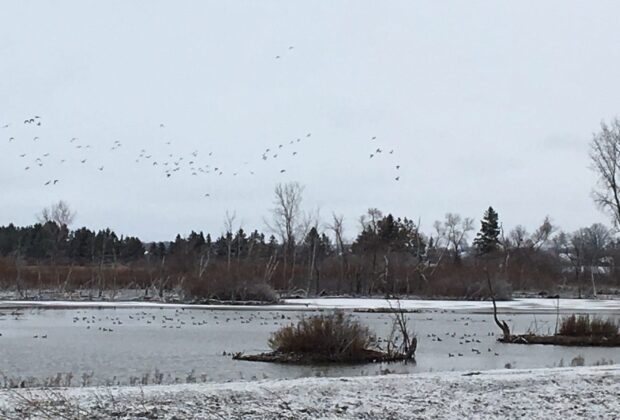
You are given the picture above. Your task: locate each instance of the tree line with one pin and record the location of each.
(301, 256)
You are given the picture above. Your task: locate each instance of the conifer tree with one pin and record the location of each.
(487, 239)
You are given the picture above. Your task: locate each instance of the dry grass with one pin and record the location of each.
(584, 326)
(335, 336)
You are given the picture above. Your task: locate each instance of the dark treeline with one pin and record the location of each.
(389, 255)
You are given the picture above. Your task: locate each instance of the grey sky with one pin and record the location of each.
(483, 103)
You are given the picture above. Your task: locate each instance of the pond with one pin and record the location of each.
(132, 345)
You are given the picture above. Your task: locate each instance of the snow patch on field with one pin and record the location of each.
(567, 393)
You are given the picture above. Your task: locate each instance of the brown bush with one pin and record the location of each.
(584, 326)
(334, 336)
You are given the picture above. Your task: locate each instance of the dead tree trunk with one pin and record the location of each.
(502, 325)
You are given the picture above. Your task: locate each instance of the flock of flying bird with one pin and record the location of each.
(160, 157)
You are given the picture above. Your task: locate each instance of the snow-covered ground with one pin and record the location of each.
(566, 393)
(526, 305)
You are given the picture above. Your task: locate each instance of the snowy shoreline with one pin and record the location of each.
(533, 393)
(524, 305)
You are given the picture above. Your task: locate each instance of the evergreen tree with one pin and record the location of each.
(487, 239)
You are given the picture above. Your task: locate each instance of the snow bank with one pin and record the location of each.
(567, 393)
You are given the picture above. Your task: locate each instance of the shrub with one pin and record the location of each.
(584, 326)
(335, 337)
(578, 361)
(261, 292)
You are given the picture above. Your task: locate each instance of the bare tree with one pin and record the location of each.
(311, 223)
(517, 237)
(454, 230)
(588, 245)
(59, 213)
(228, 226)
(542, 235)
(286, 222)
(371, 225)
(337, 226)
(605, 161)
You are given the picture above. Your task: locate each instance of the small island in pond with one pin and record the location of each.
(574, 331)
(336, 338)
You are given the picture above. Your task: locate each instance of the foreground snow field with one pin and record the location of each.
(566, 393)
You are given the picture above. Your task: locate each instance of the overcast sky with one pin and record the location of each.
(482, 103)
